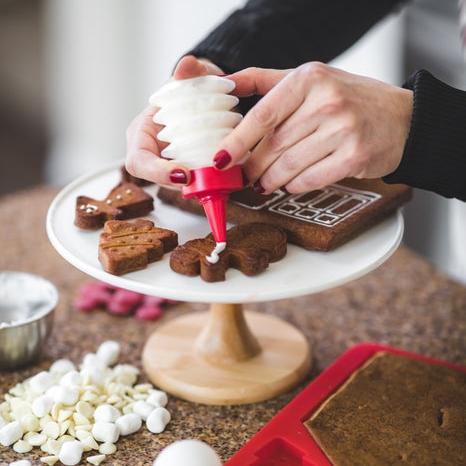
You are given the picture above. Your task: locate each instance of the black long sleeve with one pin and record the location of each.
(287, 33)
(434, 157)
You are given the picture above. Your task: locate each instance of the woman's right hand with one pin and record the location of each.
(143, 149)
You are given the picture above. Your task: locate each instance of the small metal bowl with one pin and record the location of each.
(27, 304)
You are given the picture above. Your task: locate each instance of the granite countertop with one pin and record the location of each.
(406, 303)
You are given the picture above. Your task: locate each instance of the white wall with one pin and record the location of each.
(105, 57)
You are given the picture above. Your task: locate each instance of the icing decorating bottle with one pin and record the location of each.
(197, 115)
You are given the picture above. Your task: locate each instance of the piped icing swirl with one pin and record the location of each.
(197, 115)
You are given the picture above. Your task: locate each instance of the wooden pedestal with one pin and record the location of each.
(214, 358)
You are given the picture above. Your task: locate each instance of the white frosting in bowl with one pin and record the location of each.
(197, 115)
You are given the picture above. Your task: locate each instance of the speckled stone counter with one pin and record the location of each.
(406, 303)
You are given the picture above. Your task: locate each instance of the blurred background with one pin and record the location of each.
(73, 73)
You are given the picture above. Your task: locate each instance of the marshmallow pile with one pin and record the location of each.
(67, 412)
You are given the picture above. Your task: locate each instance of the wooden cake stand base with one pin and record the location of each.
(214, 358)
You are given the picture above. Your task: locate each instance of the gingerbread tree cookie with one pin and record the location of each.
(250, 249)
(126, 246)
(123, 202)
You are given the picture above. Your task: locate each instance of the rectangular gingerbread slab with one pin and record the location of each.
(287, 441)
(319, 220)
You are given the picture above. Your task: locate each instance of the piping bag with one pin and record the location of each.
(211, 187)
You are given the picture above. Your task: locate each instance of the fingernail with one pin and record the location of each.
(178, 176)
(245, 178)
(222, 159)
(258, 188)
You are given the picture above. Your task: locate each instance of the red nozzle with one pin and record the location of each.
(211, 187)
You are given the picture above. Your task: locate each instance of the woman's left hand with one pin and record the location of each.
(316, 125)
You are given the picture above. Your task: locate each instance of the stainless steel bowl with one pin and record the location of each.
(27, 304)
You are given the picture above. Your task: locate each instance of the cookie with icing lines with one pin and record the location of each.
(125, 201)
(126, 246)
(250, 248)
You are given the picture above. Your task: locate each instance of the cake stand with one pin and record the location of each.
(225, 355)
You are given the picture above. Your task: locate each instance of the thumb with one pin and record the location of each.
(256, 81)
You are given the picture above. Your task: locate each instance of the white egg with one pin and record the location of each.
(192, 452)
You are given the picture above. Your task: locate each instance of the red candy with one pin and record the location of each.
(94, 295)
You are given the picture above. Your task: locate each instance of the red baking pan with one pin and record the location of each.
(285, 441)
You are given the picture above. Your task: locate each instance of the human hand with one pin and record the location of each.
(143, 149)
(316, 125)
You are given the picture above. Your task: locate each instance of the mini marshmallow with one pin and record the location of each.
(106, 413)
(92, 360)
(21, 463)
(94, 374)
(143, 409)
(62, 366)
(64, 395)
(71, 378)
(125, 374)
(109, 352)
(158, 420)
(42, 405)
(129, 423)
(10, 433)
(184, 452)
(157, 398)
(105, 432)
(71, 453)
(41, 382)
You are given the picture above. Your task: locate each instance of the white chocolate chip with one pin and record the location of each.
(84, 409)
(51, 430)
(22, 446)
(49, 460)
(143, 409)
(42, 405)
(96, 459)
(109, 352)
(36, 440)
(64, 426)
(157, 398)
(62, 366)
(10, 433)
(64, 414)
(29, 423)
(105, 432)
(106, 413)
(71, 453)
(107, 448)
(129, 423)
(89, 443)
(158, 420)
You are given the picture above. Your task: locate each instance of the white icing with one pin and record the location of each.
(197, 115)
(214, 256)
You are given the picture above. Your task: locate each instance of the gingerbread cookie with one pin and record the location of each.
(250, 248)
(123, 202)
(128, 246)
(126, 177)
(320, 220)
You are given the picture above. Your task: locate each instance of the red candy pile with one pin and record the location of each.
(98, 295)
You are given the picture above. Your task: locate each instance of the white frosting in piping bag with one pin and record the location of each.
(197, 115)
(214, 256)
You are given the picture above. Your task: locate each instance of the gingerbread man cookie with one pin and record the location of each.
(250, 248)
(128, 246)
(123, 202)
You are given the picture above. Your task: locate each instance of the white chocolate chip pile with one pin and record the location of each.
(67, 412)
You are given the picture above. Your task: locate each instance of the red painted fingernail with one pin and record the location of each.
(222, 159)
(178, 176)
(258, 188)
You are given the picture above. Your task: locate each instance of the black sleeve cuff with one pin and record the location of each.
(434, 157)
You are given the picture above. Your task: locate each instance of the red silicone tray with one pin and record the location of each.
(285, 441)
